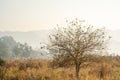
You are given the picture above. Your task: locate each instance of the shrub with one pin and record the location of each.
(2, 62)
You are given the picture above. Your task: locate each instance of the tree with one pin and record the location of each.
(22, 50)
(5, 51)
(77, 41)
(9, 48)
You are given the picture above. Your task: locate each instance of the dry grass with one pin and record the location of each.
(41, 70)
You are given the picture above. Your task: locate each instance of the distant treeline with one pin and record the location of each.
(10, 49)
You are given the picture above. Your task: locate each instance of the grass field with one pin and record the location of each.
(38, 69)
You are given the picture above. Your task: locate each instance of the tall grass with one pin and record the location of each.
(41, 70)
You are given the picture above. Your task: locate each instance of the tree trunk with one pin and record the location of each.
(77, 70)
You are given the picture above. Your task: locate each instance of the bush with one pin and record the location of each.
(2, 62)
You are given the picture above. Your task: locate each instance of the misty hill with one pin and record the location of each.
(10, 49)
(34, 38)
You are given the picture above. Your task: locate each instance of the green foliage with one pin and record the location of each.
(9, 48)
(4, 50)
(22, 50)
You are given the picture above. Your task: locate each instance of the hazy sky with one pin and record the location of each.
(26, 15)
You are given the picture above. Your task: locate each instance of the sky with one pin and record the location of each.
(28, 15)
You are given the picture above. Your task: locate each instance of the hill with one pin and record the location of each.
(34, 38)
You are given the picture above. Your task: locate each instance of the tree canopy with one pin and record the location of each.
(77, 41)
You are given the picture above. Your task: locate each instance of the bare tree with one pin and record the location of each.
(77, 41)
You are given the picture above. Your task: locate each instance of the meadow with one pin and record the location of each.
(42, 69)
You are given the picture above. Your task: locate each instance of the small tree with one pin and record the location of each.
(77, 41)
